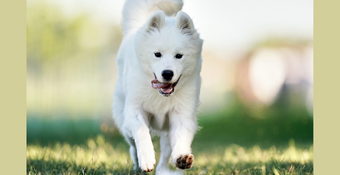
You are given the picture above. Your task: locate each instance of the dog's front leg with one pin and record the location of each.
(136, 127)
(182, 131)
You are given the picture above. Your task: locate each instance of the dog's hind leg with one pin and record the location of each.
(163, 165)
(133, 153)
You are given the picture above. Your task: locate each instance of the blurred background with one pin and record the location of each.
(257, 71)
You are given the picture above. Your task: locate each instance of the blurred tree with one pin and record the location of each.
(50, 34)
(69, 60)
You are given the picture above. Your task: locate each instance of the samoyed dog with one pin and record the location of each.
(158, 86)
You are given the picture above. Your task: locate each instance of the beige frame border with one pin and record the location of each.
(326, 87)
(13, 87)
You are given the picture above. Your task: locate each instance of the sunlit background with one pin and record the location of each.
(257, 75)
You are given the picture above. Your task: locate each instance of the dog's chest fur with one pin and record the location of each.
(158, 109)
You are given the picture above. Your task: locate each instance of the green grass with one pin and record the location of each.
(222, 146)
(232, 142)
(99, 156)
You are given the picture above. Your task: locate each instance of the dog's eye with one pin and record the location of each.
(178, 56)
(158, 54)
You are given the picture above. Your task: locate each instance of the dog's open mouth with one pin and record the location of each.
(165, 89)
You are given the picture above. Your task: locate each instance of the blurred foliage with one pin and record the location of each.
(53, 35)
(70, 62)
(235, 124)
(50, 34)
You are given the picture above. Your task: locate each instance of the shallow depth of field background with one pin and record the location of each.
(257, 91)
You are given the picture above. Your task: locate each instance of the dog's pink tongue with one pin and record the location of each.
(156, 84)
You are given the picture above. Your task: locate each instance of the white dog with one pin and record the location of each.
(158, 87)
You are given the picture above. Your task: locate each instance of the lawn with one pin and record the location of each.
(228, 143)
(99, 156)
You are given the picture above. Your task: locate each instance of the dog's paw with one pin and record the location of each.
(149, 169)
(184, 161)
(147, 163)
(147, 166)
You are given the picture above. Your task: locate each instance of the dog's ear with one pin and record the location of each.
(156, 21)
(184, 23)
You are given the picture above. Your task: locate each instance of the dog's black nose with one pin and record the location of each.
(167, 75)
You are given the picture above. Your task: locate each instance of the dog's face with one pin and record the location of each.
(168, 48)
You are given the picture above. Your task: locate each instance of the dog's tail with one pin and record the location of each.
(137, 12)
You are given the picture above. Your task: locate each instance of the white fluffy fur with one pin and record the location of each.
(138, 108)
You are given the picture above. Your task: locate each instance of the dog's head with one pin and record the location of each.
(168, 49)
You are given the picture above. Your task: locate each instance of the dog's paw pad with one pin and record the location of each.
(185, 162)
(148, 170)
(148, 167)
